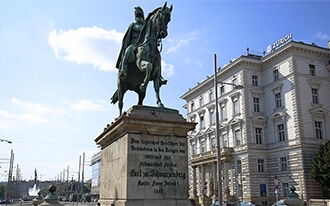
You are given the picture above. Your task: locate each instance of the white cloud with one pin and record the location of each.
(323, 36)
(86, 105)
(33, 112)
(167, 69)
(7, 123)
(7, 120)
(32, 118)
(98, 47)
(36, 113)
(94, 46)
(182, 41)
(6, 114)
(32, 107)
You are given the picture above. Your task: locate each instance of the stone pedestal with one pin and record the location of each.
(51, 199)
(144, 158)
(293, 198)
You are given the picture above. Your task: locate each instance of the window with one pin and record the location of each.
(234, 82)
(211, 95)
(222, 90)
(213, 143)
(315, 97)
(284, 164)
(225, 140)
(276, 75)
(239, 166)
(235, 107)
(254, 80)
(258, 135)
(201, 101)
(192, 105)
(194, 149)
(281, 132)
(278, 101)
(312, 70)
(261, 165)
(212, 117)
(223, 112)
(203, 146)
(277, 95)
(256, 105)
(285, 188)
(202, 122)
(237, 134)
(318, 130)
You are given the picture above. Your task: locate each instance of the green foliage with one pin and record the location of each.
(2, 191)
(320, 170)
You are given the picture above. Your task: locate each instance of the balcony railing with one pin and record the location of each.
(211, 156)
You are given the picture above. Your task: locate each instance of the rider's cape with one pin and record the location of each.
(126, 42)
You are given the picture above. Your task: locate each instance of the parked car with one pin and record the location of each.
(2, 201)
(279, 203)
(247, 203)
(224, 203)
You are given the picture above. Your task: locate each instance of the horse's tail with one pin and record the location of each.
(114, 97)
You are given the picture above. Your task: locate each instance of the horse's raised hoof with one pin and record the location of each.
(142, 87)
(162, 82)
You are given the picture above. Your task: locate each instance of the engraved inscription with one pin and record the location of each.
(159, 166)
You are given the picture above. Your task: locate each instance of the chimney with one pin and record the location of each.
(329, 44)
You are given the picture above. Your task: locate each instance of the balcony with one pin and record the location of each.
(211, 156)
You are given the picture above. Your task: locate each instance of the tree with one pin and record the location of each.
(320, 170)
(2, 191)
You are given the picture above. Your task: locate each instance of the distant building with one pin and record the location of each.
(270, 127)
(96, 164)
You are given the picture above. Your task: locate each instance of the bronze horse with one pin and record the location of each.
(147, 66)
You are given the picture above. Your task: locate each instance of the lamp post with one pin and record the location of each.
(217, 132)
(4, 140)
(217, 126)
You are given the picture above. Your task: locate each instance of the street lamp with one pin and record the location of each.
(217, 126)
(4, 140)
(217, 132)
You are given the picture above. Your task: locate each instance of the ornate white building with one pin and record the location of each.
(270, 127)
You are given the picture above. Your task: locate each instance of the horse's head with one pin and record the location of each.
(162, 18)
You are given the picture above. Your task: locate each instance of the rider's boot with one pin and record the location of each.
(162, 81)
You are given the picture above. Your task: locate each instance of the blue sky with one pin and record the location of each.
(57, 65)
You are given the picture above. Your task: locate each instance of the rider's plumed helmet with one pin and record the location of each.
(138, 11)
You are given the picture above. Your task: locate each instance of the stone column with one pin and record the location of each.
(194, 182)
(215, 182)
(202, 180)
(202, 173)
(234, 178)
(225, 174)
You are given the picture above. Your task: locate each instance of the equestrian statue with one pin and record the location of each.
(139, 59)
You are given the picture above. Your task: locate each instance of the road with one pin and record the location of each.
(29, 203)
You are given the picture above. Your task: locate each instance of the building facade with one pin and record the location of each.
(95, 184)
(269, 128)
